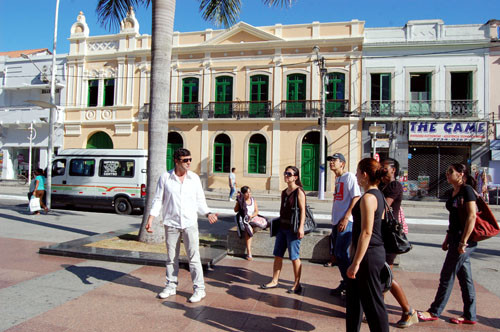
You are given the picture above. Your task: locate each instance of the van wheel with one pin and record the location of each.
(122, 206)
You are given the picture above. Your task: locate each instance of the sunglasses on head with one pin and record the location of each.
(185, 160)
(288, 174)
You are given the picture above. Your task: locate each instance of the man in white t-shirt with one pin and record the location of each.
(232, 184)
(345, 197)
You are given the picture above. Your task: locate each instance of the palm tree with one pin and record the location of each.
(110, 13)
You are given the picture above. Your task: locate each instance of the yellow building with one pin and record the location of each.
(245, 97)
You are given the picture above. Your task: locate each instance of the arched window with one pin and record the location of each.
(100, 140)
(174, 142)
(222, 154)
(257, 156)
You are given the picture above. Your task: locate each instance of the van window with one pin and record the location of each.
(58, 167)
(116, 168)
(82, 167)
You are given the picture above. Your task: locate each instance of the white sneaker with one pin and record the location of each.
(198, 295)
(166, 292)
(231, 199)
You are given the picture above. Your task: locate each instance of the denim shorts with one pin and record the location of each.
(286, 239)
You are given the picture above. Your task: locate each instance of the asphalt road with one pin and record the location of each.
(63, 225)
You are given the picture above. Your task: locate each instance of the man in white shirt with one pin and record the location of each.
(345, 197)
(180, 197)
(232, 184)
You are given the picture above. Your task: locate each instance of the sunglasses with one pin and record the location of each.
(185, 160)
(288, 174)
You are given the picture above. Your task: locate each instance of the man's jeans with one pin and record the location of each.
(190, 237)
(342, 241)
(232, 190)
(459, 266)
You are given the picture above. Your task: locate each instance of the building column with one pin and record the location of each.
(275, 153)
(119, 83)
(204, 155)
(130, 80)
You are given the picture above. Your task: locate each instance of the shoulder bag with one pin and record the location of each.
(486, 225)
(309, 223)
(395, 240)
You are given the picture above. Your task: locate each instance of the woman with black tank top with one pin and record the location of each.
(364, 287)
(286, 238)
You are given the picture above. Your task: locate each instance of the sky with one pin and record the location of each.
(29, 24)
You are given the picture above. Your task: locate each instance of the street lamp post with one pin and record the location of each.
(322, 123)
(50, 143)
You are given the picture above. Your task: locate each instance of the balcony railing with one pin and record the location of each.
(239, 109)
(311, 108)
(185, 110)
(421, 108)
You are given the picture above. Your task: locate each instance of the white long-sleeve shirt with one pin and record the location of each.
(179, 203)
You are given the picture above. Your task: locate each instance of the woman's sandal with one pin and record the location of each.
(266, 286)
(462, 320)
(408, 319)
(249, 257)
(426, 316)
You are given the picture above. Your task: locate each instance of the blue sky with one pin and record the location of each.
(28, 24)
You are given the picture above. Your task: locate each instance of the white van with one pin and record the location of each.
(100, 178)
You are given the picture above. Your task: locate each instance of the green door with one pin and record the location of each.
(189, 97)
(310, 165)
(171, 147)
(296, 95)
(381, 94)
(224, 95)
(259, 95)
(335, 90)
(100, 140)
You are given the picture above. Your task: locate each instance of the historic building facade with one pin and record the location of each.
(25, 76)
(245, 97)
(425, 99)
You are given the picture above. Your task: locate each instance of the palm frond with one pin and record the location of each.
(220, 12)
(279, 3)
(111, 12)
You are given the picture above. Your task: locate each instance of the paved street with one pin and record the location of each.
(49, 293)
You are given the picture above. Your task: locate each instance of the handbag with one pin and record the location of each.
(275, 226)
(34, 204)
(486, 225)
(395, 240)
(309, 223)
(259, 221)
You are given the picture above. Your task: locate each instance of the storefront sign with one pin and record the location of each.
(448, 131)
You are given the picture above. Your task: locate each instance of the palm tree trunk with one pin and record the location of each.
(161, 52)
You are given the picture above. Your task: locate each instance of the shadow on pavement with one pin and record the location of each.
(86, 272)
(476, 254)
(45, 224)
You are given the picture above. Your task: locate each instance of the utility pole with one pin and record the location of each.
(322, 123)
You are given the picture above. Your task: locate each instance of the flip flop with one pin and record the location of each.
(462, 320)
(423, 318)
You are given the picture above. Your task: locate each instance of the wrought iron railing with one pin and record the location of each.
(421, 108)
(185, 110)
(239, 109)
(311, 108)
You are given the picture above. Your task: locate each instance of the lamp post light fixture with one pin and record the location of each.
(320, 60)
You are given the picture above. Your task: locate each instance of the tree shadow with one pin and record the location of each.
(228, 277)
(229, 320)
(49, 225)
(121, 278)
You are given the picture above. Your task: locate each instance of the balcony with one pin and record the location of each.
(185, 111)
(311, 108)
(445, 109)
(239, 109)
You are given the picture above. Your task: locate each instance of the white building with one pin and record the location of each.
(425, 88)
(24, 76)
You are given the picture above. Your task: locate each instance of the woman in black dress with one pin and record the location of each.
(364, 287)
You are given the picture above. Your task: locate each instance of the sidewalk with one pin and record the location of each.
(79, 295)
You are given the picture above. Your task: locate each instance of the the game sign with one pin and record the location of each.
(448, 131)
